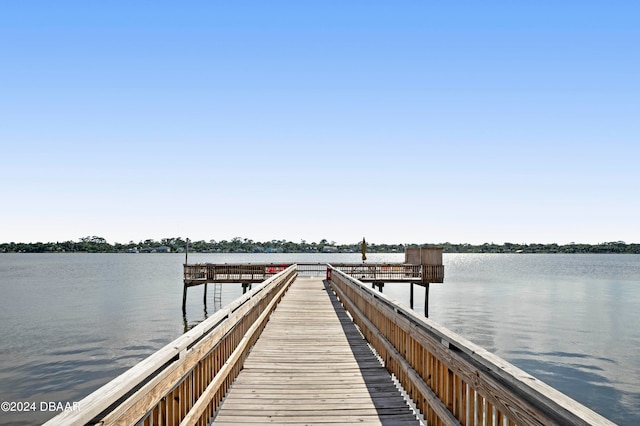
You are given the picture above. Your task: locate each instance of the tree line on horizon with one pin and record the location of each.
(95, 244)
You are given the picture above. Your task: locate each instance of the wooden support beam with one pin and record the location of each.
(378, 284)
(426, 300)
(184, 299)
(204, 298)
(411, 295)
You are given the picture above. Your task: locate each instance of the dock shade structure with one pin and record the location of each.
(430, 259)
(431, 269)
(227, 369)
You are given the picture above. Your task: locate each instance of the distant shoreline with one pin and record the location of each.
(243, 245)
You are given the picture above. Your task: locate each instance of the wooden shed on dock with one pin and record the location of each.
(430, 260)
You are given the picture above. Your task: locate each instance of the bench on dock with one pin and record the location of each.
(315, 350)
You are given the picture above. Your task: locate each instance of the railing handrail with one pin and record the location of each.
(522, 385)
(200, 273)
(99, 402)
(528, 400)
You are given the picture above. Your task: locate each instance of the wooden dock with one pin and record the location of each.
(375, 273)
(207, 273)
(296, 350)
(311, 365)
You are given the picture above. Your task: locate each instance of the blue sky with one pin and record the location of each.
(410, 121)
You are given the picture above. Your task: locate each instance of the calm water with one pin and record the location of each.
(71, 322)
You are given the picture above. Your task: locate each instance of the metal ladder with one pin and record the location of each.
(217, 296)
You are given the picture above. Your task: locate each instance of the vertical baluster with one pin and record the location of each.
(471, 406)
(480, 410)
(489, 414)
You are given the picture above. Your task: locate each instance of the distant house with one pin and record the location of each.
(163, 249)
(329, 249)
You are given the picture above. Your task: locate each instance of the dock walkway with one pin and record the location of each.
(287, 352)
(311, 365)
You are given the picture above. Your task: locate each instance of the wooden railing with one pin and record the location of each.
(451, 380)
(379, 272)
(209, 272)
(389, 272)
(195, 274)
(432, 273)
(312, 269)
(185, 382)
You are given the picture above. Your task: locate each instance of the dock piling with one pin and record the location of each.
(426, 300)
(205, 295)
(264, 345)
(184, 299)
(411, 295)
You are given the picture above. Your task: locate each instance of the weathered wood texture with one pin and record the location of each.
(451, 380)
(197, 274)
(392, 272)
(185, 381)
(311, 365)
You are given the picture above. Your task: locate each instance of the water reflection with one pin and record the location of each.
(583, 376)
(563, 319)
(188, 325)
(70, 323)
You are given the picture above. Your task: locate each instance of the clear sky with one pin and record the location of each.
(400, 121)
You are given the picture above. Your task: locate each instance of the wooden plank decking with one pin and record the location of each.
(311, 366)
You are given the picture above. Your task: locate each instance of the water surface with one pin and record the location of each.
(71, 322)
